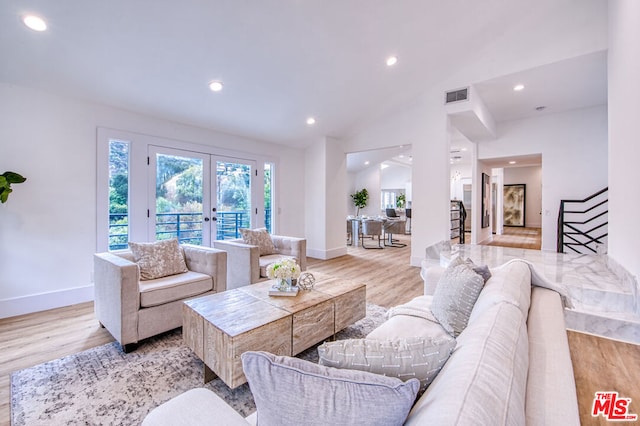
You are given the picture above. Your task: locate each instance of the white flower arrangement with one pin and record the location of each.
(285, 269)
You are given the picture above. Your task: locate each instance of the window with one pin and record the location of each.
(150, 188)
(268, 195)
(388, 199)
(118, 194)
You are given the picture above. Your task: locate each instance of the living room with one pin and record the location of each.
(51, 115)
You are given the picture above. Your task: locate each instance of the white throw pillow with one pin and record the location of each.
(291, 391)
(415, 357)
(159, 259)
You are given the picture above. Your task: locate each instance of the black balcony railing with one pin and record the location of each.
(186, 227)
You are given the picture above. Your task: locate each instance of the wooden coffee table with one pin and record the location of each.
(220, 327)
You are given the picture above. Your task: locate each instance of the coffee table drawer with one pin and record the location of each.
(312, 325)
(350, 307)
(222, 352)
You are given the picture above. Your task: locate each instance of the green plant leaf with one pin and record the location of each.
(4, 195)
(13, 177)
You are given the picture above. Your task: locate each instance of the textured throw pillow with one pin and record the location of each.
(291, 391)
(416, 357)
(455, 295)
(159, 259)
(482, 270)
(258, 237)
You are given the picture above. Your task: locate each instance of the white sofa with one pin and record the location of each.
(511, 365)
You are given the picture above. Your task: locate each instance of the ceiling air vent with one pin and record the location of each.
(457, 95)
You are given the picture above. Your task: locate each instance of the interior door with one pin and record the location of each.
(198, 197)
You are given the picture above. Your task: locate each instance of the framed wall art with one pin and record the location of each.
(514, 204)
(486, 193)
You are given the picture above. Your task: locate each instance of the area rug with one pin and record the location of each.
(105, 386)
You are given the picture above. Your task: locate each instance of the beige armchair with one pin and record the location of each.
(246, 266)
(133, 310)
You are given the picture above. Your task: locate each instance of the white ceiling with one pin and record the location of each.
(572, 83)
(280, 60)
(358, 161)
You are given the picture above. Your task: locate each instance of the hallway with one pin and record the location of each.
(516, 237)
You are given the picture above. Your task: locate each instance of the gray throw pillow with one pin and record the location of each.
(415, 357)
(158, 259)
(455, 296)
(482, 270)
(291, 391)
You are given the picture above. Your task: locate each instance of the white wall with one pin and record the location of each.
(48, 227)
(624, 149)
(478, 233)
(395, 176)
(532, 177)
(369, 179)
(325, 191)
(573, 145)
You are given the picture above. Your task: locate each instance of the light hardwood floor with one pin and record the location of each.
(513, 236)
(599, 364)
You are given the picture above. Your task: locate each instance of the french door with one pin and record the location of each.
(198, 197)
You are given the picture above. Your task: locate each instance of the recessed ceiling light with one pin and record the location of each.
(215, 86)
(366, 163)
(518, 87)
(463, 149)
(36, 23)
(401, 156)
(392, 60)
(311, 121)
(512, 162)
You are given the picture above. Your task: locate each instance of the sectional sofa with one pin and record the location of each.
(511, 364)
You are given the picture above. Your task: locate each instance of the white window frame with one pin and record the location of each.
(139, 196)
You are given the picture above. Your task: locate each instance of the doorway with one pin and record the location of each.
(198, 197)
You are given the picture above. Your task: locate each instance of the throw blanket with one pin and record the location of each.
(538, 280)
(421, 307)
(418, 307)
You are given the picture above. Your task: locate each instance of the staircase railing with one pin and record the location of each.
(583, 224)
(458, 216)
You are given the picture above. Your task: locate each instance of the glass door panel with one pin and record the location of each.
(118, 194)
(232, 197)
(268, 196)
(181, 199)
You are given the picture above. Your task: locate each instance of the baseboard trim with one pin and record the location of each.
(416, 261)
(43, 301)
(326, 254)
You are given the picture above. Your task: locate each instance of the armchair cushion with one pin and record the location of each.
(259, 237)
(174, 287)
(158, 259)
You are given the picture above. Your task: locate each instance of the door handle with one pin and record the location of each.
(214, 219)
(206, 219)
